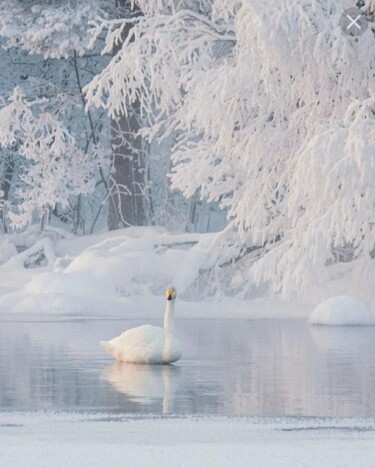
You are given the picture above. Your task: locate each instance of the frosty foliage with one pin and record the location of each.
(44, 53)
(56, 156)
(54, 168)
(273, 109)
(53, 30)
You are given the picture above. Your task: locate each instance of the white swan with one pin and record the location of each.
(148, 344)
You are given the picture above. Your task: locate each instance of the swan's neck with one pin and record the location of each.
(169, 318)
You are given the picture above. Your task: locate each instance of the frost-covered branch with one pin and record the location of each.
(54, 31)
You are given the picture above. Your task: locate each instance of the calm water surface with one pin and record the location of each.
(239, 367)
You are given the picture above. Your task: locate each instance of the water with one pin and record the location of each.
(239, 367)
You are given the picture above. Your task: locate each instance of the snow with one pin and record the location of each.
(124, 274)
(103, 440)
(7, 249)
(342, 310)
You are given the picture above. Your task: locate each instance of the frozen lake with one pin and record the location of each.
(229, 367)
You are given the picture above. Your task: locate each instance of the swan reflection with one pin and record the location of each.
(143, 383)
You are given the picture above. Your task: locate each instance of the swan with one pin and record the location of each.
(148, 344)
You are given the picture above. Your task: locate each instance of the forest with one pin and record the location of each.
(246, 129)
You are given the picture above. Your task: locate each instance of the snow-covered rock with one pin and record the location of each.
(342, 310)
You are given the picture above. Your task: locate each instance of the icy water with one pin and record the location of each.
(239, 367)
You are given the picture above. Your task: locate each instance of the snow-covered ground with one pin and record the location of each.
(124, 273)
(52, 440)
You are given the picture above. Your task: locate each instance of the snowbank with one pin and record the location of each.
(98, 273)
(342, 310)
(136, 261)
(125, 273)
(110, 440)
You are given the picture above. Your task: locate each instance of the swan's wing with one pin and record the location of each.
(143, 344)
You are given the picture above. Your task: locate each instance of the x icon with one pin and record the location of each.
(354, 22)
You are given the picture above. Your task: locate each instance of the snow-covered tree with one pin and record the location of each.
(45, 49)
(56, 167)
(272, 108)
(53, 29)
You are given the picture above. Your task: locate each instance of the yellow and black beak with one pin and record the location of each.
(169, 297)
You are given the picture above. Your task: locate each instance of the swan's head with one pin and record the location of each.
(171, 293)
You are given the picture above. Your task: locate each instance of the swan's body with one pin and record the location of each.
(148, 344)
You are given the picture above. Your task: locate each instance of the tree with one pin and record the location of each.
(46, 51)
(273, 110)
(127, 181)
(49, 54)
(56, 167)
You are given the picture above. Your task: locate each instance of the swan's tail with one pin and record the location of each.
(106, 345)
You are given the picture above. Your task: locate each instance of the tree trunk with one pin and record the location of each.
(5, 188)
(127, 181)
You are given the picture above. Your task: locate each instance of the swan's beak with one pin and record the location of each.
(170, 293)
